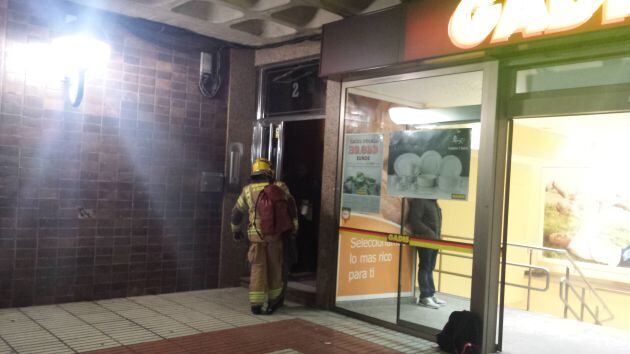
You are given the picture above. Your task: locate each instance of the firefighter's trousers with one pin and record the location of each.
(266, 274)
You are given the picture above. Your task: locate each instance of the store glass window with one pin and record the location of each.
(408, 198)
(611, 71)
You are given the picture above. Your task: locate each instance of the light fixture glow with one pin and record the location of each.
(33, 60)
(81, 52)
(414, 116)
(75, 55)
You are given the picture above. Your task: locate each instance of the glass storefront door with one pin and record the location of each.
(408, 203)
(443, 265)
(566, 267)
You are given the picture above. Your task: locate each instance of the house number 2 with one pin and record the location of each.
(296, 90)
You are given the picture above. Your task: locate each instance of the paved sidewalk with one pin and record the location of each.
(220, 316)
(287, 336)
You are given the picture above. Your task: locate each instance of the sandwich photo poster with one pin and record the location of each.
(591, 222)
(430, 164)
(363, 163)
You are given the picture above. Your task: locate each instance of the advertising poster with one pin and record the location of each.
(368, 267)
(430, 164)
(363, 162)
(592, 225)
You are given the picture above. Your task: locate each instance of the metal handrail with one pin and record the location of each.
(579, 271)
(566, 285)
(522, 265)
(564, 280)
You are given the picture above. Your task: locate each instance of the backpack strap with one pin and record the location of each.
(270, 182)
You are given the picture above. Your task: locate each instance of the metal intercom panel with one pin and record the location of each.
(212, 182)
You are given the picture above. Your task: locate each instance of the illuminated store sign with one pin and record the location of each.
(475, 20)
(437, 29)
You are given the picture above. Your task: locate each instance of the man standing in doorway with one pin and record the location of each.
(260, 199)
(424, 219)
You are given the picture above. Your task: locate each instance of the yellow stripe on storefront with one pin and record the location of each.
(414, 242)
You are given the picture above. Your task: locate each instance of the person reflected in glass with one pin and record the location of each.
(424, 219)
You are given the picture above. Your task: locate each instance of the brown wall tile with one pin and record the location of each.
(103, 201)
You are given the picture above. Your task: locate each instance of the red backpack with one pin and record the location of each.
(273, 211)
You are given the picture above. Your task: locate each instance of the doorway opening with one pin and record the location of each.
(565, 265)
(296, 150)
(567, 271)
(302, 172)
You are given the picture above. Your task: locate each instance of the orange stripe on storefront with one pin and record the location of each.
(412, 241)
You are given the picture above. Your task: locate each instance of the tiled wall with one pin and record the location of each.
(242, 113)
(129, 159)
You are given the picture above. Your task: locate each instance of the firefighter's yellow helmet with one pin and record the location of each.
(261, 166)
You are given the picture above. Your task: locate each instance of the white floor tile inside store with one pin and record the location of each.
(85, 326)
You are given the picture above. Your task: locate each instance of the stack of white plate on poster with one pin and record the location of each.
(450, 170)
(425, 170)
(407, 164)
(406, 167)
(429, 168)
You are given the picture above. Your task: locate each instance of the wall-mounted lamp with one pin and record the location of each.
(414, 116)
(77, 50)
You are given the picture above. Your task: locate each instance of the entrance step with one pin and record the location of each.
(299, 291)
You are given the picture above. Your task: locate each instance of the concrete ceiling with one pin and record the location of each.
(437, 92)
(247, 22)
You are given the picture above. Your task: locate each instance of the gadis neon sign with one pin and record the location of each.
(475, 20)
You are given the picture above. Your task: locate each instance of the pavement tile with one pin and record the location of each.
(206, 321)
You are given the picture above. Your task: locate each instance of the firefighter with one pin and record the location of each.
(266, 251)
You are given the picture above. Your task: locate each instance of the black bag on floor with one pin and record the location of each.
(461, 334)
